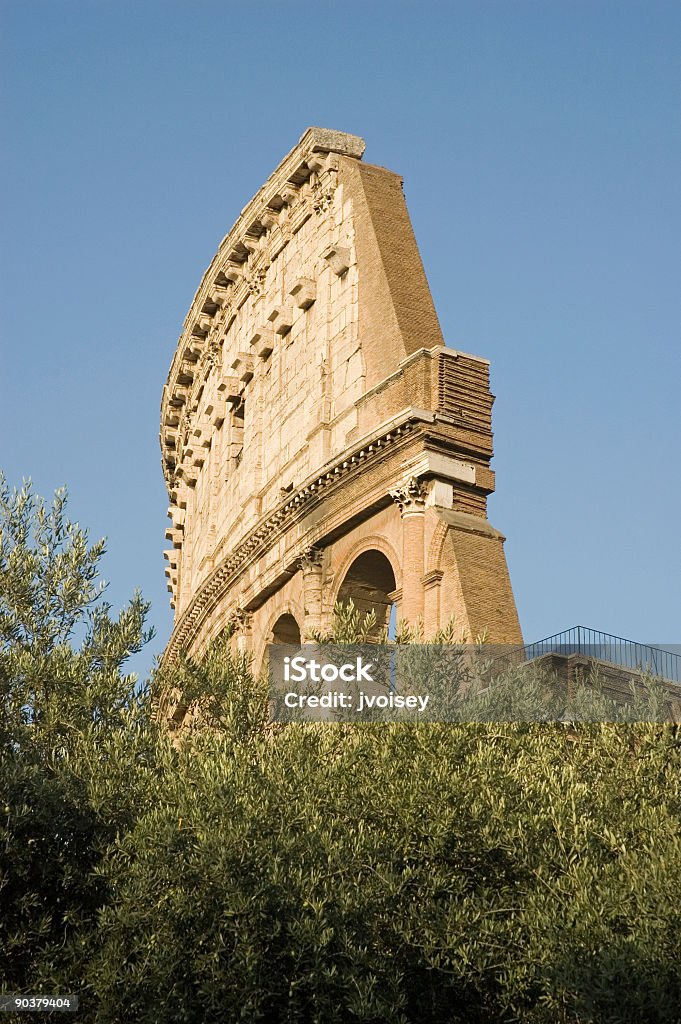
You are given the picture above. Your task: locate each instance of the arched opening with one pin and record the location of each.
(369, 583)
(286, 630)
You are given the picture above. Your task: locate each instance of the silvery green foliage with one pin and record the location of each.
(403, 873)
(326, 873)
(76, 748)
(400, 872)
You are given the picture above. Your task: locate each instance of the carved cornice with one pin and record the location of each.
(321, 197)
(268, 532)
(301, 186)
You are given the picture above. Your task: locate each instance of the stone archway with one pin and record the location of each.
(286, 630)
(370, 584)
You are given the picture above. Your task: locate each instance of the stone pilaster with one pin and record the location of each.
(411, 500)
(431, 590)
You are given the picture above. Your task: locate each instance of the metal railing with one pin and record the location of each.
(615, 650)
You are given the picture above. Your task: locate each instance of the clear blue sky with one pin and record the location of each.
(541, 149)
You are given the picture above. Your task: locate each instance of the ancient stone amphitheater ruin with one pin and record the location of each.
(320, 441)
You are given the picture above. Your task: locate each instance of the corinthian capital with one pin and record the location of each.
(241, 620)
(311, 559)
(411, 496)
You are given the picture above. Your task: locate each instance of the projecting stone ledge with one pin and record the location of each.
(326, 140)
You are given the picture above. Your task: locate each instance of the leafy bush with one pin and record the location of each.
(403, 873)
(77, 749)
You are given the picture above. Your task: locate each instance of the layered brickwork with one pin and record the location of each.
(312, 412)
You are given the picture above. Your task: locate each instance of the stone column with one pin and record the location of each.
(411, 499)
(310, 564)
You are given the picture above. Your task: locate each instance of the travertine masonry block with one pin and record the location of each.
(304, 292)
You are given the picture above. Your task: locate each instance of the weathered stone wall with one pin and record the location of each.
(313, 412)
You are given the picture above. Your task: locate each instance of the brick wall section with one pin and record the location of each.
(463, 390)
(480, 564)
(396, 312)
